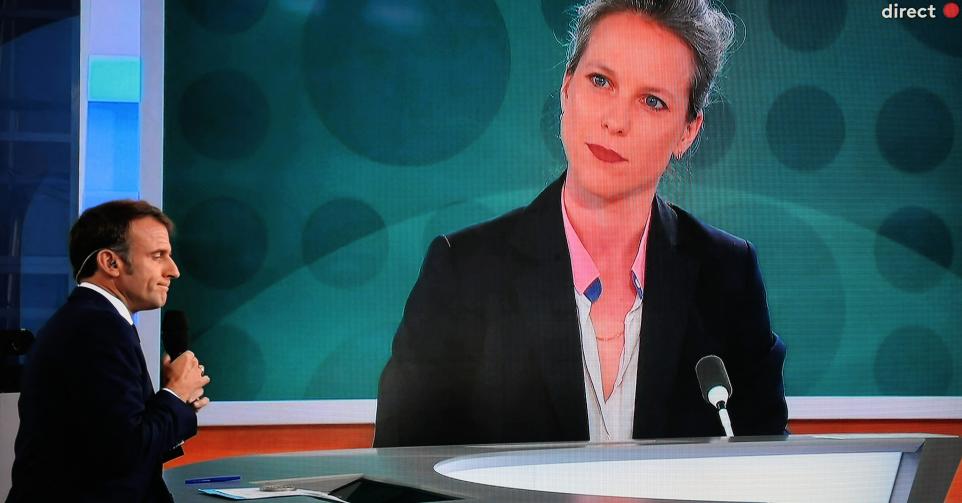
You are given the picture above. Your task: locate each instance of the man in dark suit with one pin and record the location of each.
(91, 426)
(489, 349)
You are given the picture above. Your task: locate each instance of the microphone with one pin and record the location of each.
(13, 345)
(715, 387)
(174, 333)
(15, 342)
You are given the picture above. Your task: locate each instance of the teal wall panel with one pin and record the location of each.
(114, 79)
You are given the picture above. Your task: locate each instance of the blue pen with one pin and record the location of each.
(208, 480)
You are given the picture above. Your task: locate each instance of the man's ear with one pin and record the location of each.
(107, 261)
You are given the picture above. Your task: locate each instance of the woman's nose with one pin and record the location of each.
(616, 119)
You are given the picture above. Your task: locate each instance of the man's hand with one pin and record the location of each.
(200, 403)
(185, 377)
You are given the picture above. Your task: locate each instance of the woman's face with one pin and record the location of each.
(625, 107)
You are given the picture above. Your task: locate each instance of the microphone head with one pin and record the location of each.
(174, 333)
(711, 373)
(15, 342)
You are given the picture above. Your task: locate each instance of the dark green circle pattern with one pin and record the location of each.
(224, 115)
(222, 242)
(834, 151)
(717, 135)
(915, 130)
(806, 128)
(941, 34)
(914, 361)
(336, 227)
(406, 83)
(924, 233)
(226, 16)
(239, 370)
(807, 25)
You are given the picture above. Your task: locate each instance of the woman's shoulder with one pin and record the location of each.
(698, 235)
(495, 229)
(528, 229)
(482, 241)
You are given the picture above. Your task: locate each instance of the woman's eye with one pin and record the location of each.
(599, 80)
(655, 102)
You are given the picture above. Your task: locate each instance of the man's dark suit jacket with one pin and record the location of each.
(489, 348)
(91, 426)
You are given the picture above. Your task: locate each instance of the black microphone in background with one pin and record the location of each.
(716, 388)
(13, 345)
(174, 333)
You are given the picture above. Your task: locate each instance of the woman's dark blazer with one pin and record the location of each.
(489, 348)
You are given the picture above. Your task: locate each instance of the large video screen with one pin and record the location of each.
(314, 149)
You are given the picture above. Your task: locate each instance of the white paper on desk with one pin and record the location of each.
(254, 493)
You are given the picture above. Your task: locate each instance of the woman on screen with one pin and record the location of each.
(582, 315)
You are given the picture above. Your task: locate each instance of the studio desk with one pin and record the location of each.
(842, 468)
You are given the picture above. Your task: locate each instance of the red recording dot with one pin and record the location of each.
(951, 10)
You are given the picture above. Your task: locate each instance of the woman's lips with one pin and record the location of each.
(605, 155)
